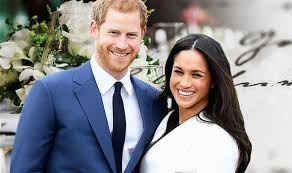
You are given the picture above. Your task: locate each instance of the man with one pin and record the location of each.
(69, 124)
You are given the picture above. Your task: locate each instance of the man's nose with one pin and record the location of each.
(122, 43)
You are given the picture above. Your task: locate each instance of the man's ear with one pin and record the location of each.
(94, 29)
(144, 31)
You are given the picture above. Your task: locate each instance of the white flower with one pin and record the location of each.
(15, 53)
(38, 71)
(12, 51)
(51, 59)
(80, 44)
(17, 65)
(23, 92)
(5, 63)
(21, 35)
(31, 53)
(143, 51)
(142, 55)
(10, 48)
(38, 66)
(76, 16)
(27, 73)
(51, 69)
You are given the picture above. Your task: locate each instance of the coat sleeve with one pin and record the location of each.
(35, 132)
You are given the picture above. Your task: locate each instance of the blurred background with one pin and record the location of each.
(257, 38)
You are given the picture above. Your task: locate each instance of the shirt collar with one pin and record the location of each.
(105, 81)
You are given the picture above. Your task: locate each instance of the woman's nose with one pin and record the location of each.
(185, 82)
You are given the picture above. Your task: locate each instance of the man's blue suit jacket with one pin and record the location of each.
(63, 127)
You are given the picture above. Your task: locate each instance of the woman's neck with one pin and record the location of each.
(187, 113)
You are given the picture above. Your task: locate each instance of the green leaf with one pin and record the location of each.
(65, 28)
(156, 62)
(148, 71)
(19, 27)
(147, 40)
(34, 18)
(8, 92)
(72, 61)
(43, 27)
(149, 58)
(9, 22)
(49, 10)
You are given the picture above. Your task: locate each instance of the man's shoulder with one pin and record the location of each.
(140, 83)
(59, 76)
(64, 76)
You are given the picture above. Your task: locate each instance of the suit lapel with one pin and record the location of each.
(145, 107)
(90, 100)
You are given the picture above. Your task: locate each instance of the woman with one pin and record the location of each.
(204, 132)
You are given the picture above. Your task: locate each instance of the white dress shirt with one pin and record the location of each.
(134, 124)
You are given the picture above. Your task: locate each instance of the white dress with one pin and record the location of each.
(193, 147)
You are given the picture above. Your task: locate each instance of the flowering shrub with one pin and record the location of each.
(41, 48)
(22, 61)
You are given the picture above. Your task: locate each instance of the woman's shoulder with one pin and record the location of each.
(215, 147)
(213, 133)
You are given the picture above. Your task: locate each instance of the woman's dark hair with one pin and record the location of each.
(223, 106)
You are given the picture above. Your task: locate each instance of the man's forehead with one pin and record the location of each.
(122, 26)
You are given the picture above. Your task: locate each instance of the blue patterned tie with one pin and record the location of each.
(119, 126)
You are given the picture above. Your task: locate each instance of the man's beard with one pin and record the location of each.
(107, 62)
